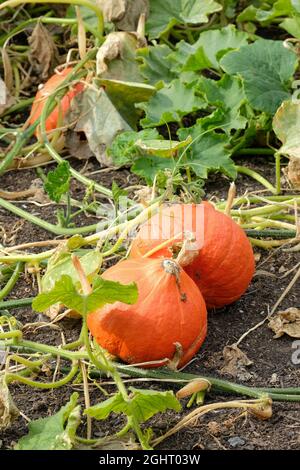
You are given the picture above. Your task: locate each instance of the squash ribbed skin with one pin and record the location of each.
(42, 95)
(225, 264)
(169, 310)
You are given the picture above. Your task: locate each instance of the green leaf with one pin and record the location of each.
(267, 68)
(58, 181)
(123, 149)
(117, 192)
(228, 96)
(286, 125)
(146, 403)
(208, 152)
(292, 26)
(207, 51)
(171, 103)
(114, 404)
(125, 95)
(156, 67)
(164, 14)
(162, 148)
(296, 5)
(149, 167)
(90, 262)
(143, 404)
(248, 14)
(104, 292)
(268, 13)
(54, 432)
(88, 16)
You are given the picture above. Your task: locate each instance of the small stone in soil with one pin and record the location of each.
(236, 441)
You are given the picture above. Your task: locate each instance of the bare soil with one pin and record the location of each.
(271, 357)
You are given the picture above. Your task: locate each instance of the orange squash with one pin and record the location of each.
(224, 265)
(170, 309)
(41, 97)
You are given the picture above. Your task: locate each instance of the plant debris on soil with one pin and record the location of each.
(165, 115)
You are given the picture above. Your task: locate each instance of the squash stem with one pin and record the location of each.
(278, 172)
(12, 281)
(257, 177)
(164, 375)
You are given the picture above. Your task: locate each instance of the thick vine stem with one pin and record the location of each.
(267, 244)
(277, 394)
(21, 140)
(16, 303)
(123, 228)
(46, 225)
(288, 199)
(12, 281)
(257, 177)
(86, 3)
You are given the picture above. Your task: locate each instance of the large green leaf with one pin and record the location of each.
(123, 149)
(54, 432)
(267, 13)
(125, 95)
(228, 96)
(267, 68)
(171, 103)
(208, 152)
(164, 14)
(208, 49)
(65, 292)
(90, 263)
(143, 404)
(286, 125)
(156, 67)
(292, 26)
(148, 167)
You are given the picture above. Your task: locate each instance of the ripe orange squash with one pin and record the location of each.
(170, 309)
(224, 265)
(41, 97)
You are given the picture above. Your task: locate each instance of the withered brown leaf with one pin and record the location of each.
(43, 51)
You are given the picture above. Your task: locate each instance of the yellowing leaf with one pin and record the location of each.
(286, 125)
(162, 148)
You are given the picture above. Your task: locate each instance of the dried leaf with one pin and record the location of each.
(286, 322)
(113, 10)
(99, 120)
(76, 146)
(235, 363)
(293, 172)
(43, 52)
(116, 58)
(8, 71)
(134, 9)
(124, 13)
(6, 100)
(8, 410)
